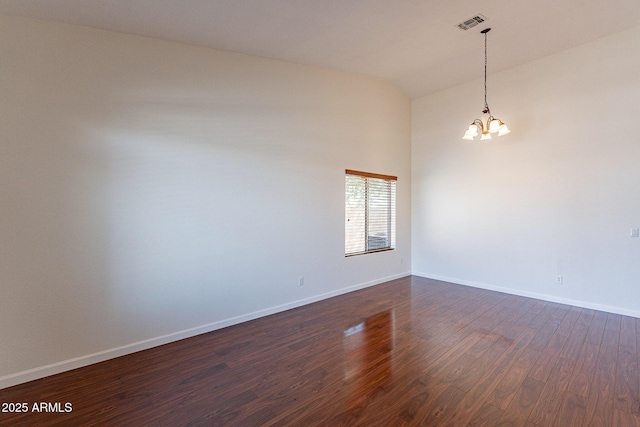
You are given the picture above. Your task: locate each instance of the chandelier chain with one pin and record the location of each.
(486, 106)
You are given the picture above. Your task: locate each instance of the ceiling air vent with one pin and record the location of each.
(471, 22)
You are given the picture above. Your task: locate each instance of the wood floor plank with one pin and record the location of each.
(486, 416)
(628, 335)
(548, 358)
(412, 351)
(568, 322)
(497, 361)
(537, 319)
(599, 411)
(471, 373)
(625, 419)
(473, 400)
(596, 329)
(611, 336)
(626, 393)
(517, 413)
(512, 381)
(546, 408)
(444, 405)
(545, 332)
(584, 370)
(572, 410)
(573, 345)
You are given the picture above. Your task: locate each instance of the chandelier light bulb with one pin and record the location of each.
(503, 130)
(494, 125)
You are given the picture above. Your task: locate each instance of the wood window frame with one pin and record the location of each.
(385, 226)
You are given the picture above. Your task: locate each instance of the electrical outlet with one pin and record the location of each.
(559, 280)
(300, 280)
(635, 232)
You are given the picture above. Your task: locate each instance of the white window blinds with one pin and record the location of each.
(370, 212)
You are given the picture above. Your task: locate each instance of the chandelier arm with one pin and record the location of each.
(489, 119)
(480, 124)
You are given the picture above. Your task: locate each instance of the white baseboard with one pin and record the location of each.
(543, 297)
(78, 362)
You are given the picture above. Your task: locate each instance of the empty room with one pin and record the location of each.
(320, 213)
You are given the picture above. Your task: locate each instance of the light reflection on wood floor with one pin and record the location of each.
(408, 352)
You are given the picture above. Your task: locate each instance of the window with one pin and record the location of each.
(370, 212)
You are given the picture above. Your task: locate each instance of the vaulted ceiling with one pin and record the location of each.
(415, 44)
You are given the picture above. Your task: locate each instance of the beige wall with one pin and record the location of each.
(153, 190)
(557, 196)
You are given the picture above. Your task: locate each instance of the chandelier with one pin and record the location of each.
(493, 124)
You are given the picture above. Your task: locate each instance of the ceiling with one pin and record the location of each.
(414, 44)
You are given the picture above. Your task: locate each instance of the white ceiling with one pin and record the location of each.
(413, 43)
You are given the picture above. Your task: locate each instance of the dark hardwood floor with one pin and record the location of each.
(408, 352)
